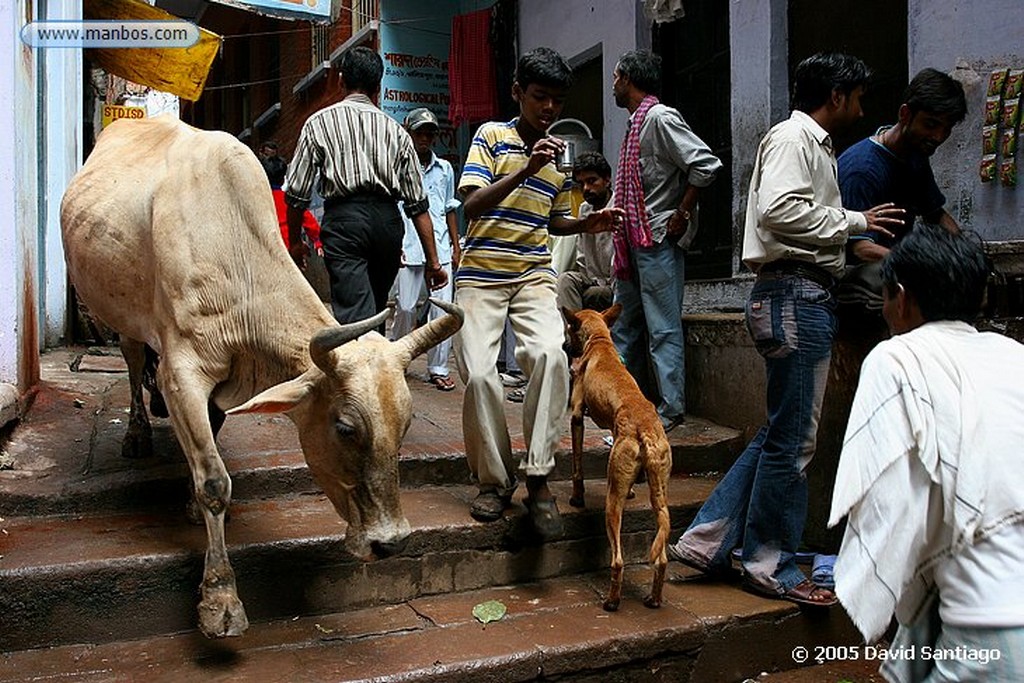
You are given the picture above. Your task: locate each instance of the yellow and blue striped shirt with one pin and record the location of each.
(510, 241)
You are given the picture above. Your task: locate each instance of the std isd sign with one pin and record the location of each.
(113, 112)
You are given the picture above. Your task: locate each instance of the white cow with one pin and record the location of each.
(172, 239)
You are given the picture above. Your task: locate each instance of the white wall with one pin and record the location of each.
(61, 100)
(9, 53)
(39, 151)
(971, 38)
(574, 27)
(18, 191)
(759, 58)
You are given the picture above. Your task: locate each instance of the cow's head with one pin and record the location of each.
(352, 410)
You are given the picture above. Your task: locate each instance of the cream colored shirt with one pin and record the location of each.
(794, 209)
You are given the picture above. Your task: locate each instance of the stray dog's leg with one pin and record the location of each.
(622, 466)
(577, 461)
(658, 470)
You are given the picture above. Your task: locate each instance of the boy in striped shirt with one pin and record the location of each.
(513, 196)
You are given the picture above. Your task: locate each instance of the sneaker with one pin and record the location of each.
(517, 395)
(608, 440)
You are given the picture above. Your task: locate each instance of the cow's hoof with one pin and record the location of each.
(652, 602)
(611, 605)
(221, 615)
(577, 502)
(138, 442)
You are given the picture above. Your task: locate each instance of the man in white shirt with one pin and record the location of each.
(439, 185)
(930, 474)
(795, 240)
(588, 284)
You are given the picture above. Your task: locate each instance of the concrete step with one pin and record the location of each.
(554, 629)
(104, 577)
(66, 450)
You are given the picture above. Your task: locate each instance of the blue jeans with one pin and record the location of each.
(651, 322)
(761, 503)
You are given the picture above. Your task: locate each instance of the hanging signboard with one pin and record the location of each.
(181, 71)
(113, 112)
(414, 46)
(315, 10)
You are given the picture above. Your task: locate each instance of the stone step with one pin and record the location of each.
(66, 450)
(554, 629)
(104, 577)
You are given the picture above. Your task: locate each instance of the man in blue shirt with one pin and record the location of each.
(893, 164)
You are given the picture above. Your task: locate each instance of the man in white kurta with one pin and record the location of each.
(931, 476)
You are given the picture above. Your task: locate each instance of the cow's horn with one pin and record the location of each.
(433, 333)
(330, 338)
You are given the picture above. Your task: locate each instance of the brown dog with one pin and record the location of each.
(604, 388)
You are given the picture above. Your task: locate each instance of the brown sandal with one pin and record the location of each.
(802, 594)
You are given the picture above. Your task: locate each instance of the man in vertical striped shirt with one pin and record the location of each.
(513, 197)
(366, 163)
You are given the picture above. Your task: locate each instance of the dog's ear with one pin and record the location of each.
(610, 315)
(571, 318)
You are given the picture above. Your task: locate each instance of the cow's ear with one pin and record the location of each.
(279, 398)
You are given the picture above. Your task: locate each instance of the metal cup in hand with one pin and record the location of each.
(567, 157)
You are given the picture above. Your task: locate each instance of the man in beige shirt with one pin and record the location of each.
(794, 239)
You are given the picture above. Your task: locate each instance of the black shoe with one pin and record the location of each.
(546, 519)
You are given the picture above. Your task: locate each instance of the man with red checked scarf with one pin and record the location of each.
(662, 167)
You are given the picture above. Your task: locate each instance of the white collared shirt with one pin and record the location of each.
(794, 209)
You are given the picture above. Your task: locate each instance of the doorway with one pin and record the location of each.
(696, 81)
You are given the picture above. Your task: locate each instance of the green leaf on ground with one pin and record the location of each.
(492, 610)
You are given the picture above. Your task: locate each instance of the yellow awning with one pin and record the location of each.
(181, 71)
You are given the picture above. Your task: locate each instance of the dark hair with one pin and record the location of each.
(592, 161)
(275, 167)
(543, 66)
(818, 75)
(643, 69)
(936, 93)
(945, 273)
(362, 69)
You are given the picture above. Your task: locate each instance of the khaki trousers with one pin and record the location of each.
(530, 308)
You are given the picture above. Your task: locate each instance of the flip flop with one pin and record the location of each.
(799, 594)
(442, 382)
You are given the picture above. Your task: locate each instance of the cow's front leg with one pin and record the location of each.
(220, 611)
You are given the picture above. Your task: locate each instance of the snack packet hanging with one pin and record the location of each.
(993, 110)
(987, 168)
(1011, 113)
(989, 139)
(1014, 84)
(1008, 146)
(1008, 172)
(997, 81)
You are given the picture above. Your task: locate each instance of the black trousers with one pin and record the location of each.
(362, 238)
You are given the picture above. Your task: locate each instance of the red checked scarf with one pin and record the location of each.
(635, 230)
